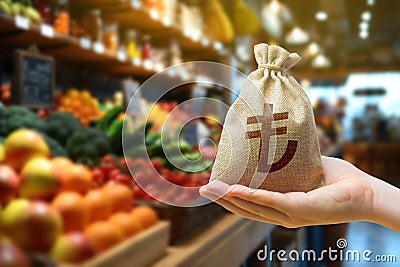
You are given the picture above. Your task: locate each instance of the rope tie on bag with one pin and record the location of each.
(270, 67)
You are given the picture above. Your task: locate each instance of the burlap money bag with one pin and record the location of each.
(269, 139)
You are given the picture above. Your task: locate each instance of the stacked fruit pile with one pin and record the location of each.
(55, 207)
(81, 104)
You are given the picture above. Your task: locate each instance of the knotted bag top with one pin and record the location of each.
(274, 57)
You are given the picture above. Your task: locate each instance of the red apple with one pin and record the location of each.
(73, 247)
(9, 184)
(39, 180)
(34, 226)
(23, 145)
(11, 255)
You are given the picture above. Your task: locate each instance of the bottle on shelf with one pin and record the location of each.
(61, 17)
(131, 45)
(147, 52)
(111, 37)
(93, 24)
(146, 47)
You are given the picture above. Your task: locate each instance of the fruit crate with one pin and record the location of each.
(186, 222)
(141, 250)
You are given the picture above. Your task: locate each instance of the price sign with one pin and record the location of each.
(33, 80)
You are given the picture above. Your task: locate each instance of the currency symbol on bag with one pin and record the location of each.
(264, 135)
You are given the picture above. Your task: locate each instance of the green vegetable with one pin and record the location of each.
(192, 156)
(156, 149)
(151, 138)
(88, 145)
(136, 152)
(114, 132)
(17, 117)
(61, 125)
(105, 122)
(55, 148)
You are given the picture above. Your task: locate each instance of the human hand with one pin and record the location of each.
(346, 196)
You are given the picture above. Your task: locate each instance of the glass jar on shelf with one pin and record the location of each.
(93, 24)
(44, 8)
(111, 37)
(146, 47)
(61, 16)
(131, 45)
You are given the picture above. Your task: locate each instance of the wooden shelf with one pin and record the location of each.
(66, 48)
(139, 18)
(228, 242)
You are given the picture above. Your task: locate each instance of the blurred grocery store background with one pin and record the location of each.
(88, 57)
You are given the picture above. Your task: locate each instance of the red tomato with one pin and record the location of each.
(156, 164)
(112, 175)
(138, 192)
(183, 198)
(123, 179)
(180, 178)
(108, 159)
(122, 163)
(98, 175)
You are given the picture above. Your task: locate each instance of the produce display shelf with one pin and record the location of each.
(65, 47)
(142, 250)
(228, 242)
(127, 14)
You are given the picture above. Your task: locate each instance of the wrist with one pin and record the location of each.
(385, 209)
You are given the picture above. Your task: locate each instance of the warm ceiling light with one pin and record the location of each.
(363, 34)
(321, 15)
(364, 25)
(313, 48)
(366, 15)
(274, 6)
(297, 36)
(305, 83)
(321, 61)
(370, 2)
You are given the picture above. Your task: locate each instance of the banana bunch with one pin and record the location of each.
(20, 7)
(216, 21)
(6, 7)
(245, 19)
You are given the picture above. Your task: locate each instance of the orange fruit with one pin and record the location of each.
(126, 222)
(146, 215)
(120, 197)
(61, 162)
(77, 178)
(65, 101)
(98, 204)
(73, 92)
(103, 235)
(73, 210)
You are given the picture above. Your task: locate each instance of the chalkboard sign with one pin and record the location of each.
(33, 80)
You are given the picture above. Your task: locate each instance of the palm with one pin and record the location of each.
(345, 197)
